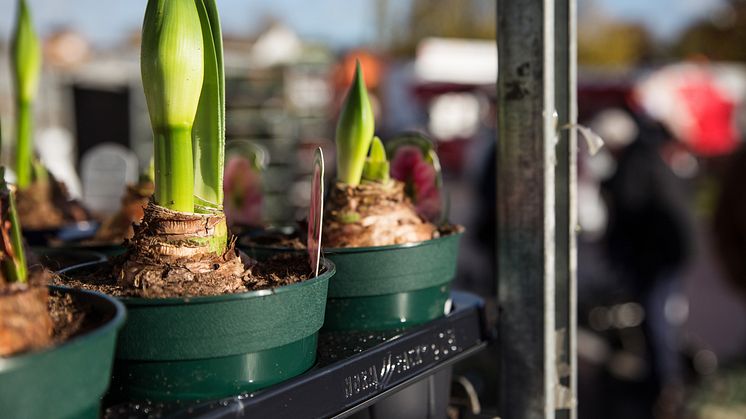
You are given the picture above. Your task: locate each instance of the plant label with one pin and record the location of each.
(316, 212)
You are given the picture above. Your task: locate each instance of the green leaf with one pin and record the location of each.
(14, 264)
(355, 129)
(26, 69)
(25, 55)
(208, 133)
(349, 217)
(376, 167)
(377, 150)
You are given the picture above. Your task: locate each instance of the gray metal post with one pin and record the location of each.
(526, 208)
(566, 215)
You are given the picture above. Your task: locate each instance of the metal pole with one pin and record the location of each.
(566, 216)
(526, 212)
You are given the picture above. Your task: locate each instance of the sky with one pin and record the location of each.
(338, 22)
(664, 18)
(341, 23)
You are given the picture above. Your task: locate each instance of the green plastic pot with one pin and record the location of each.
(68, 380)
(108, 250)
(59, 258)
(217, 346)
(385, 287)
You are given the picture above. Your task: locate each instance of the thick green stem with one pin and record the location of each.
(218, 242)
(24, 144)
(15, 268)
(174, 169)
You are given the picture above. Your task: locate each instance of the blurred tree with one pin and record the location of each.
(604, 41)
(613, 44)
(444, 18)
(719, 37)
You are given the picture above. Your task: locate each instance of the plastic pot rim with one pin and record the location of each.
(366, 249)
(328, 271)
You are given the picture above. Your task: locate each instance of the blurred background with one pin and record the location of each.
(662, 237)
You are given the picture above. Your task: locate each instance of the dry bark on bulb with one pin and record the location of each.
(24, 320)
(373, 214)
(168, 257)
(47, 204)
(37, 209)
(119, 227)
(25, 323)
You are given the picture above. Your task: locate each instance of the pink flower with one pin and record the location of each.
(405, 159)
(242, 186)
(427, 194)
(410, 167)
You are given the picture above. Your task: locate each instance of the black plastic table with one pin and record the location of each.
(357, 374)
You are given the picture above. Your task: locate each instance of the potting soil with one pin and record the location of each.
(273, 273)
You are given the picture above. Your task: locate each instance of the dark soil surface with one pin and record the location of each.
(70, 318)
(274, 239)
(448, 229)
(273, 273)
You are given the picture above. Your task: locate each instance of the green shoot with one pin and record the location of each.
(148, 176)
(376, 167)
(208, 135)
(40, 173)
(26, 68)
(355, 130)
(14, 262)
(172, 66)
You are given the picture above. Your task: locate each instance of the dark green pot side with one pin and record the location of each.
(104, 249)
(386, 287)
(218, 346)
(68, 380)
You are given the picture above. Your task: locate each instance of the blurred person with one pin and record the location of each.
(648, 242)
(610, 359)
(730, 221)
(478, 269)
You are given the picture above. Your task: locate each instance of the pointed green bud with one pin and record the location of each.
(26, 68)
(26, 56)
(377, 151)
(376, 167)
(172, 62)
(355, 129)
(172, 66)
